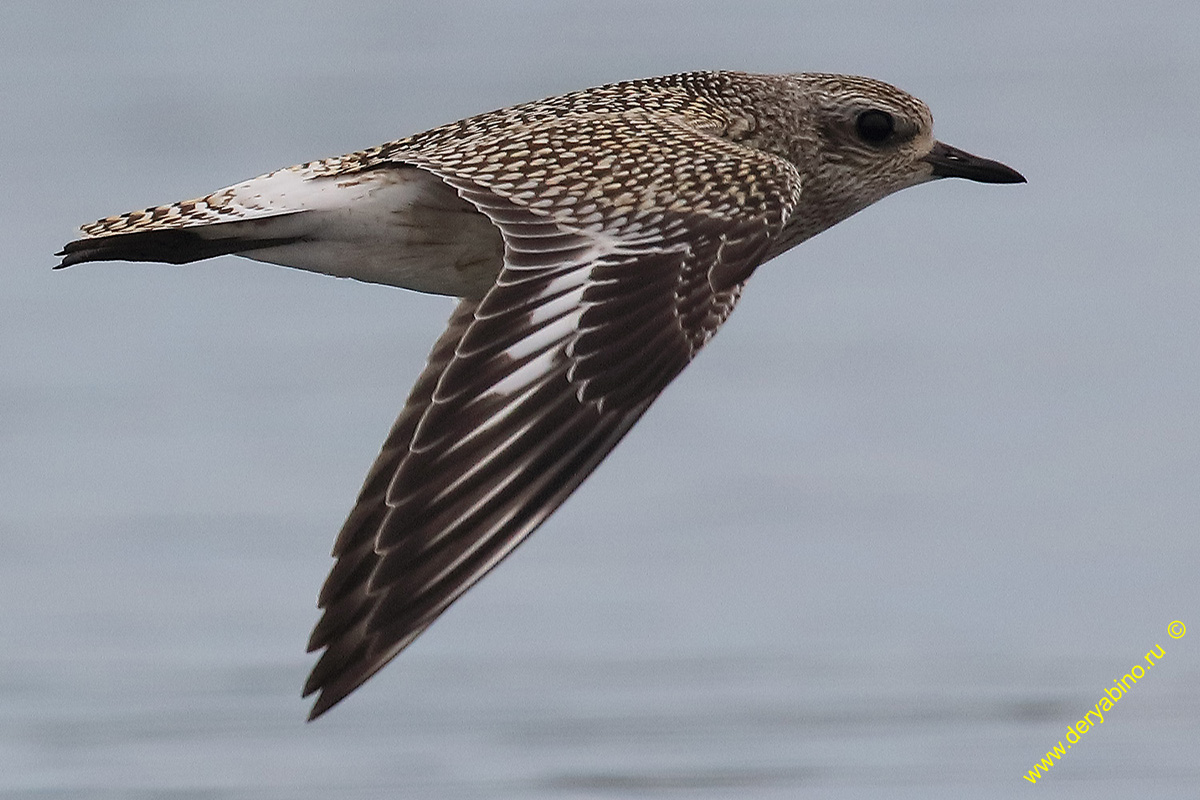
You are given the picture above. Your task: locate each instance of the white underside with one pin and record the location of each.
(399, 226)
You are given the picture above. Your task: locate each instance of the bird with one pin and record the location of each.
(595, 241)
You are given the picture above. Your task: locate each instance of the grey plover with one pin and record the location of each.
(597, 241)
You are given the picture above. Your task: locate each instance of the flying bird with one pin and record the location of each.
(596, 240)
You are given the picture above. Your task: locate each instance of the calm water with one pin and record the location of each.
(935, 486)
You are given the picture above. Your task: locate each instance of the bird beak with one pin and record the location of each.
(950, 162)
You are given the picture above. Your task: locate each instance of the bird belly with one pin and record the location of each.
(400, 227)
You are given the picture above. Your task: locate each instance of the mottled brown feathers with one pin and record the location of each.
(599, 239)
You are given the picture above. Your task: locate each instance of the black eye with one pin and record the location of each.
(874, 126)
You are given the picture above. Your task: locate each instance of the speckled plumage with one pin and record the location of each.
(598, 240)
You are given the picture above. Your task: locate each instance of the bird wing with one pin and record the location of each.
(601, 301)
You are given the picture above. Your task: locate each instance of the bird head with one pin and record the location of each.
(874, 139)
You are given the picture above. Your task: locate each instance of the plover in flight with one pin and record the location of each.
(597, 241)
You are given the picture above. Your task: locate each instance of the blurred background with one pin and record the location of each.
(935, 485)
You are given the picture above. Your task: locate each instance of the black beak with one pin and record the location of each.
(950, 162)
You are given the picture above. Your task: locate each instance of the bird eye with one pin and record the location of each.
(874, 126)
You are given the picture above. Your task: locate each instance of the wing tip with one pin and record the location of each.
(326, 699)
(334, 686)
(323, 703)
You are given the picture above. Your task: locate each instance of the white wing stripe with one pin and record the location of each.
(528, 373)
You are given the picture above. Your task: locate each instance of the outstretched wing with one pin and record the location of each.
(603, 298)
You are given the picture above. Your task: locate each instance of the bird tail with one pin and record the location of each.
(180, 245)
